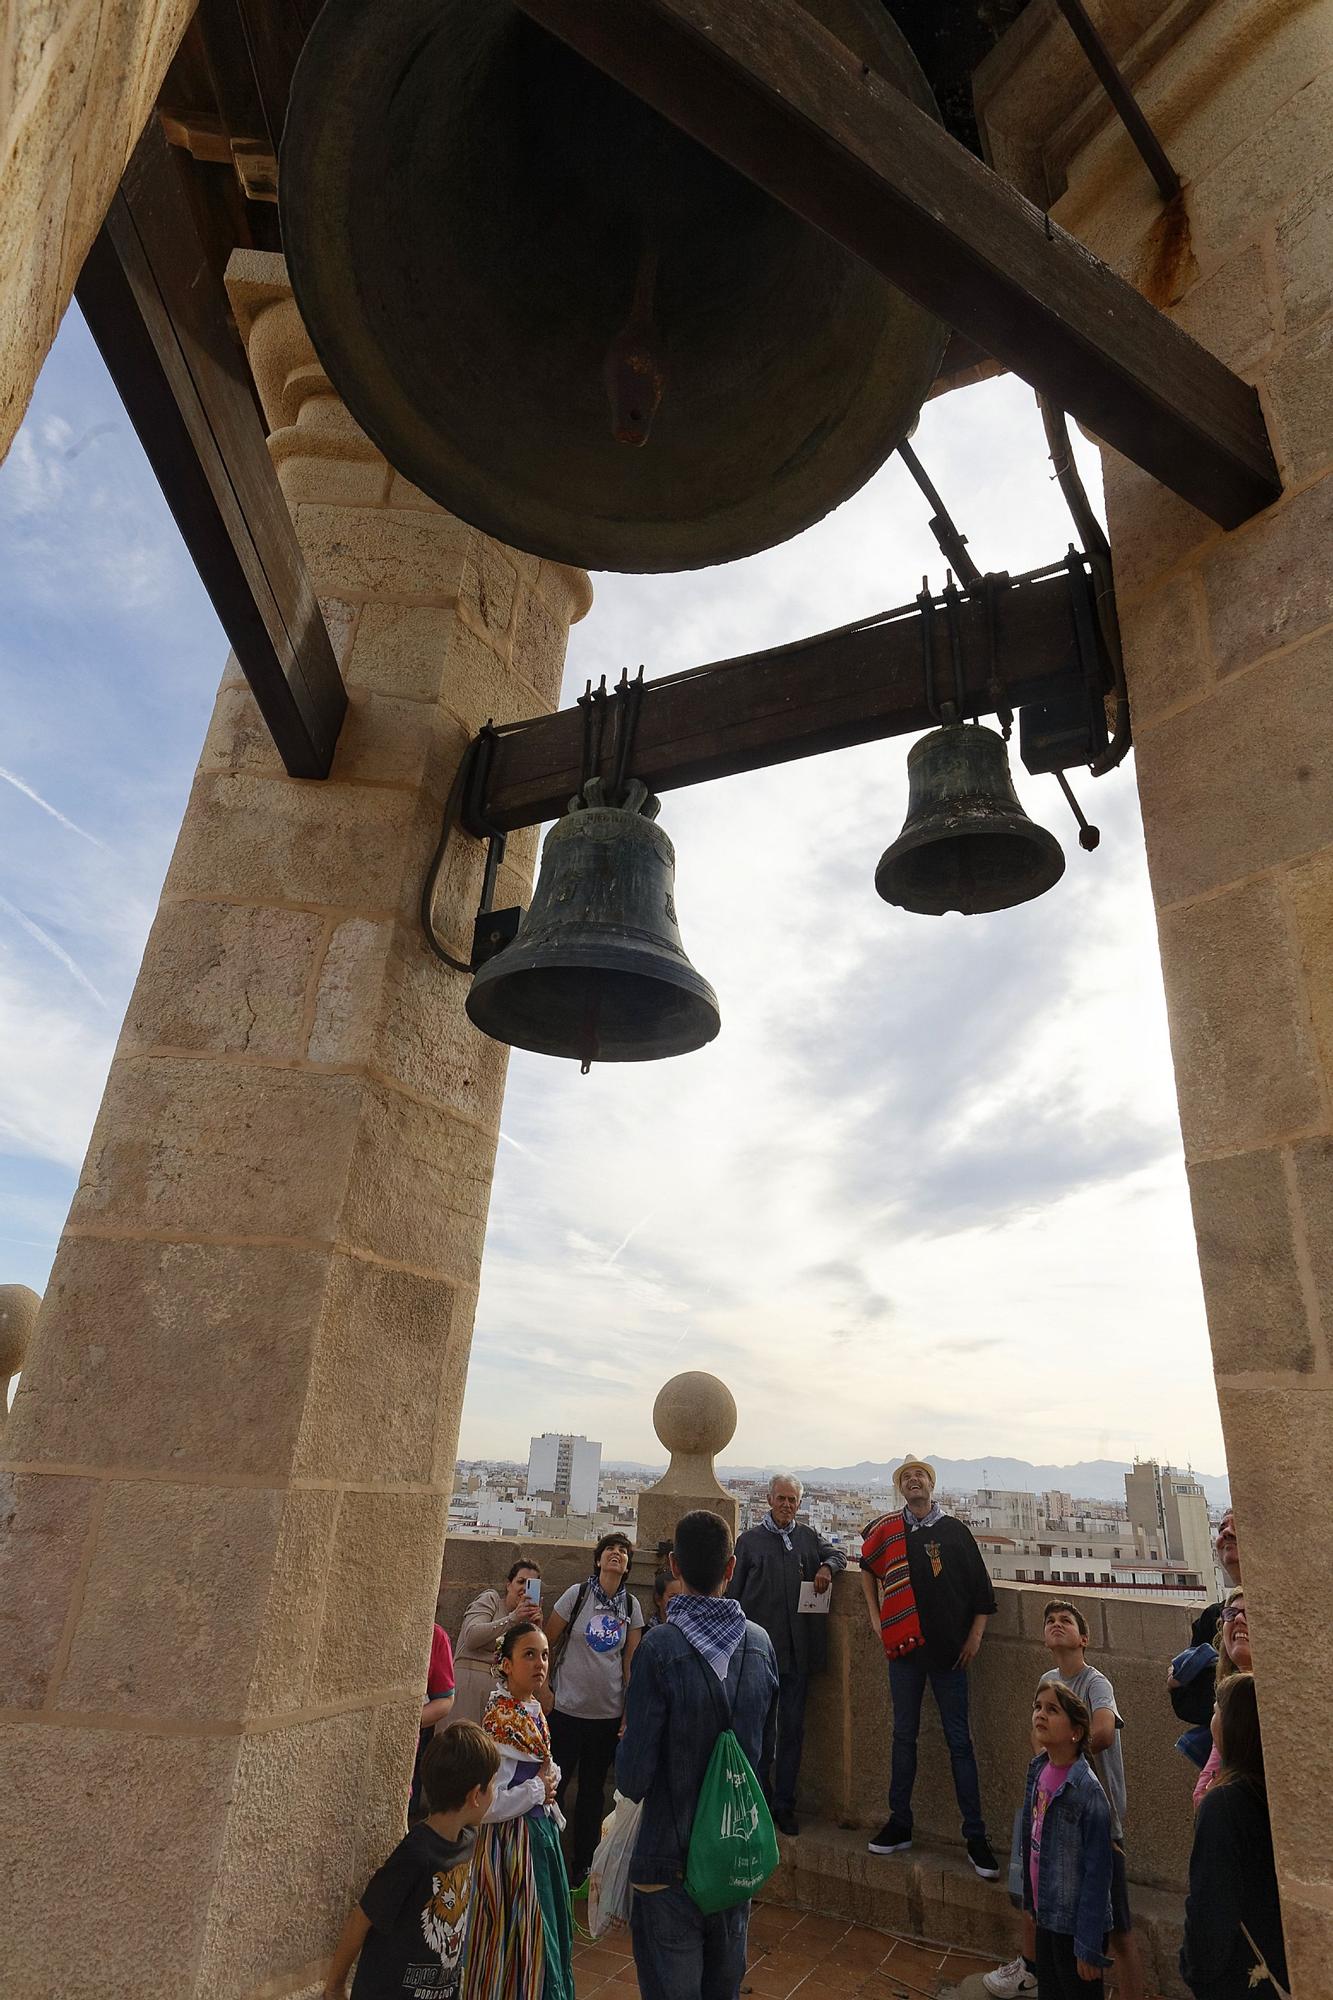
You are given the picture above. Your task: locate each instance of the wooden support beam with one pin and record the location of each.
(855, 685)
(160, 317)
(768, 89)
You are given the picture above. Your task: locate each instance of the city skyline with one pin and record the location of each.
(955, 1475)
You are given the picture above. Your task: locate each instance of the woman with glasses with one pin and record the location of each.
(1233, 1657)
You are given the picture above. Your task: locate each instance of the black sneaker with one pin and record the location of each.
(785, 1820)
(892, 1838)
(982, 1857)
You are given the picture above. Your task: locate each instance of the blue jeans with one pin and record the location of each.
(907, 1685)
(680, 1954)
(783, 1742)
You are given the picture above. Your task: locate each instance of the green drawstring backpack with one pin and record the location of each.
(733, 1846)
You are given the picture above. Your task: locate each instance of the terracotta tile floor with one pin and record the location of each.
(802, 1957)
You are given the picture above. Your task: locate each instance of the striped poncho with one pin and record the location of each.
(884, 1554)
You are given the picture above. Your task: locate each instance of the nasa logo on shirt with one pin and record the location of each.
(605, 1632)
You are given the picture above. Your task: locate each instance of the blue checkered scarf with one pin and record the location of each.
(714, 1627)
(928, 1520)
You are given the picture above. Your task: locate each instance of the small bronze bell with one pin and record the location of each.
(597, 969)
(966, 843)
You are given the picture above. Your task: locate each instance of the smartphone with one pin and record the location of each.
(533, 1587)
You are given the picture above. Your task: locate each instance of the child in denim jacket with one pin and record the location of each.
(1066, 1850)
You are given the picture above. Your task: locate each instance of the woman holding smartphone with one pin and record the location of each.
(485, 1623)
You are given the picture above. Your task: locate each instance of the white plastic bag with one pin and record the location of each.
(608, 1878)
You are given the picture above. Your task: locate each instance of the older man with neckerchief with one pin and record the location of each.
(772, 1562)
(929, 1595)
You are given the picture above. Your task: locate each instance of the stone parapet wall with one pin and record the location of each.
(845, 1775)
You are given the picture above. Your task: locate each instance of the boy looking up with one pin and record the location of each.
(1065, 1633)
(410, 1926)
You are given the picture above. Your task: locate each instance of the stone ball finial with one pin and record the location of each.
(18, 1315)
(695, 1415)
(695, 1418)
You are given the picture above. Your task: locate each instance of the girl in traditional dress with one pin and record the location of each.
(521, 1945)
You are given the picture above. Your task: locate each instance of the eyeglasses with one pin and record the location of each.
(1233, 1611)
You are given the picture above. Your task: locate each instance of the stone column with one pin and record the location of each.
(233, 1443)
(1229, 641)
(695, 1418)
(78, 79)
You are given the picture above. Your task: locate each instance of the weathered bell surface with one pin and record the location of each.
(597, 970)
(966, 843)
(564, 320)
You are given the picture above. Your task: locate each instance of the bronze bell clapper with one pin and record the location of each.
(563, 319)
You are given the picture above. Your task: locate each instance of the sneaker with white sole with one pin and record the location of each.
(982, 1856)
(1007, 1982)
(892, 1838)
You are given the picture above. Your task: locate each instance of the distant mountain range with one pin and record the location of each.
(1090, 1479)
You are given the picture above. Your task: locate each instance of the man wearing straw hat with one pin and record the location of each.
(929, 1596)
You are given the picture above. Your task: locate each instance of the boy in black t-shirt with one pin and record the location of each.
(410, 1926)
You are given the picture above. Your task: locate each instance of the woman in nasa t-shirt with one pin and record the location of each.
(594, 1630)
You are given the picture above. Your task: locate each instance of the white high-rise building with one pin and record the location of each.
(1170, 1509)
(568, 1468)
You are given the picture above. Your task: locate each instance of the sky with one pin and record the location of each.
(924, 1192)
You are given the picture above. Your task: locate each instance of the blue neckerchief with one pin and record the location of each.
(714, 1627)
(618, 1605)
(773, 1529)
(927, 1520)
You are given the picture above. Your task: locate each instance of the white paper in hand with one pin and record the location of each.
(812, 1599)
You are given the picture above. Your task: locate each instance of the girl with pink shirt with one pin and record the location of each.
(1066, 1850)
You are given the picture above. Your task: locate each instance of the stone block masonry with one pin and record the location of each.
(77, 82)
(229, 1461)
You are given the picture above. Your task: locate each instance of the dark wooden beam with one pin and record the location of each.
(855, 685)
(159, 314)
(768, 89)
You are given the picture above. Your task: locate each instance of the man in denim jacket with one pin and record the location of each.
(1075, 1894)
(706, 1660)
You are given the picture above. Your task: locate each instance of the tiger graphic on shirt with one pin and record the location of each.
(444, 1922)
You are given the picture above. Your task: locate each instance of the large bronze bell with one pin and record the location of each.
(966, 843)
(597, 969)
(505, 260)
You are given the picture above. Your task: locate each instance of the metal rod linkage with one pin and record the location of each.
(1122, 97)
(952, 544)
